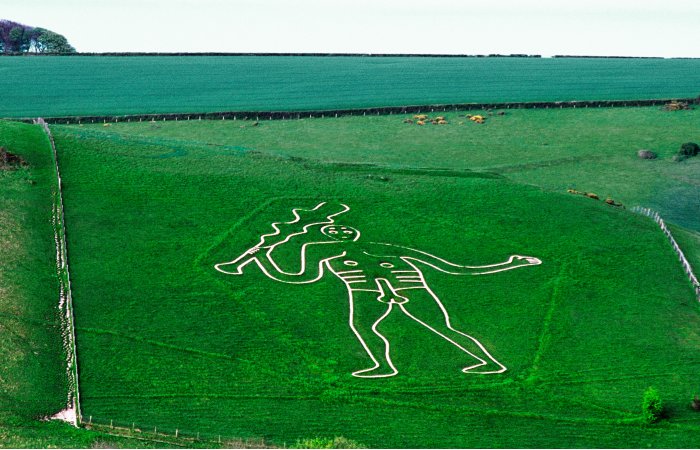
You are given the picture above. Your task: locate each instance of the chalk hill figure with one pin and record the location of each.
(379, 278)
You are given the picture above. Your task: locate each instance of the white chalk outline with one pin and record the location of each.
(384, 287)
(275, 225)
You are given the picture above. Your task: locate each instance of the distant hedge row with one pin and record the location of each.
(381, 55)
(372, 55)
(414, 109)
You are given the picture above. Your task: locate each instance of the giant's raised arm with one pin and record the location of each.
(412, 255)
(283, 234)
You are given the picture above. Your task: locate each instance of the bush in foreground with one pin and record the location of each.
(336, 442)
(652, 407)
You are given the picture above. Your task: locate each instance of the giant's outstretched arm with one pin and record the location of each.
(412, 255)
(261, 257)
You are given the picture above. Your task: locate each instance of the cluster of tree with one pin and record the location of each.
(17, 38)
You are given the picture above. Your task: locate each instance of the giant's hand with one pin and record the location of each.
(235, 267)
(528, 260)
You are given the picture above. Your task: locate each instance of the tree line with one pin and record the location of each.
(16, 38)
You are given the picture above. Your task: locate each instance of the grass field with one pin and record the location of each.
(32, 364)
(165, 340)
(58, 86)
(591, 149)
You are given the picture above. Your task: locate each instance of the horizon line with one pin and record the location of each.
(348, 54)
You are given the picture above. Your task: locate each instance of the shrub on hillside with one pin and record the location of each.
(676, 106)
(103, 444)
(688, 150)
(652, 408)
(336, 442)
(646, 154)
(9, 160)
(695, 404)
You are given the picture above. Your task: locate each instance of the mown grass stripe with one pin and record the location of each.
(99, 331)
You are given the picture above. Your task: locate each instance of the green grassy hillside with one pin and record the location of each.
(591, 149)
(58, 86)
(32, 363)
(165, 340)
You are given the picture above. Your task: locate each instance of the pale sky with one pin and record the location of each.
(592, 27)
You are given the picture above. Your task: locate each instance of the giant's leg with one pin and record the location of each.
(426, 308)
(366, 313)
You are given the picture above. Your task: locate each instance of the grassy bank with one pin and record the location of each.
(32, 361)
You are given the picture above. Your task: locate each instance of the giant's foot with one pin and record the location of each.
(376, 372)
(485, 368)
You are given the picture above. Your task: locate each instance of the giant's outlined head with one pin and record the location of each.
(341, 232)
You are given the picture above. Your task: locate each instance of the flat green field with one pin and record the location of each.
(166, 340)
(84, 85)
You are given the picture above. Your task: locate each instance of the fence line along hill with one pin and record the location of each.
(417, 109)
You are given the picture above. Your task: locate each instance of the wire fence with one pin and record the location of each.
(686, 265)
(65, 303)
(176, 436)
(370, 111)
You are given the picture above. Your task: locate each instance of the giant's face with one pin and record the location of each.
(341, 232)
